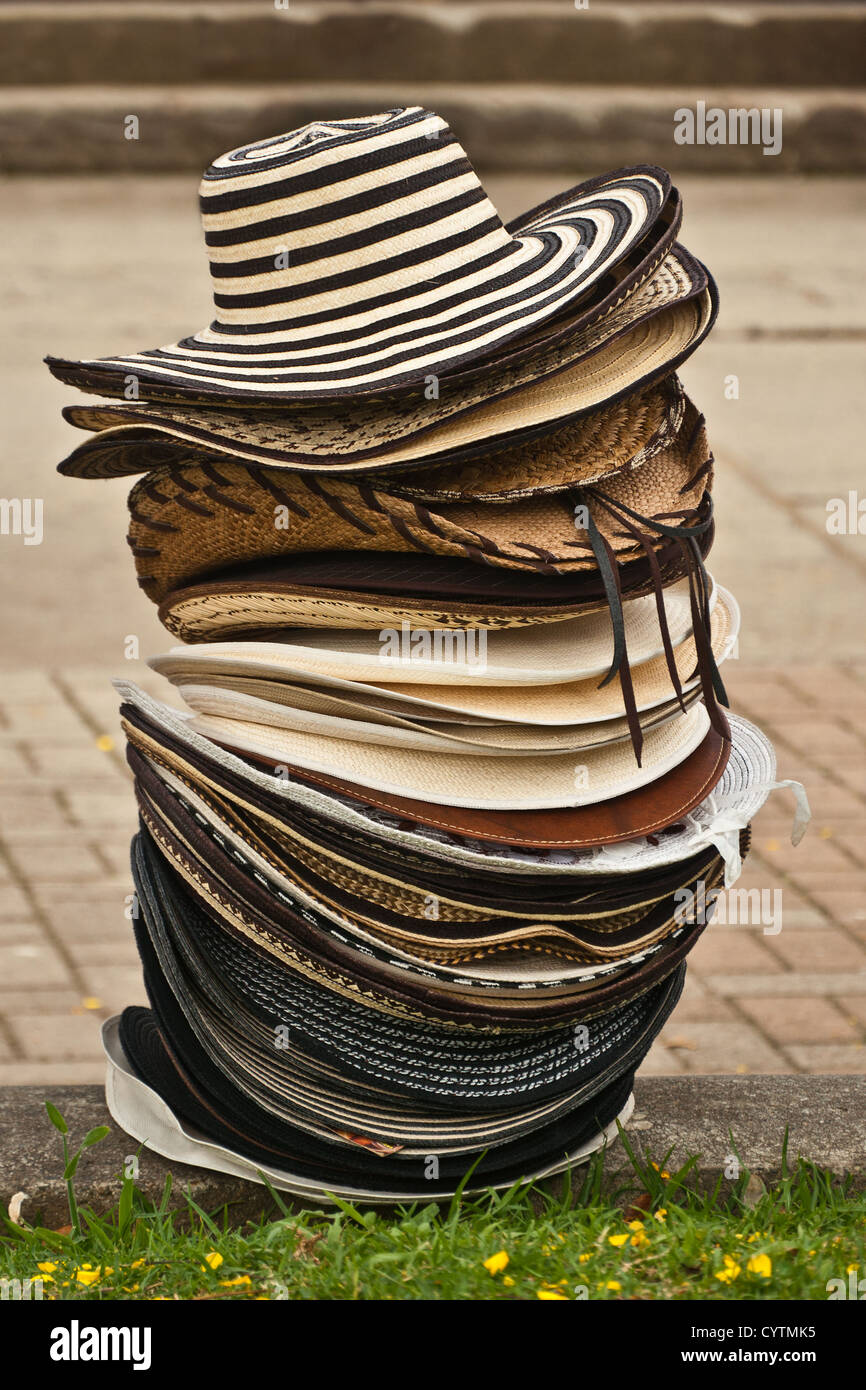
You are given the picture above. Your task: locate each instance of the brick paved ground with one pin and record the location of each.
(789, 440)
(788, 1001)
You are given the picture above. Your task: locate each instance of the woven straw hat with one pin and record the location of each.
(351, 257)
(303, 942)
(486, 782)
(160, 733)
(570, 715)
(391, 665)
(653, 828)
(592, 446)
(204, 518)
(508, 946)
(141, 1112)
(345, 1039)
(380, 590)
(641, 341)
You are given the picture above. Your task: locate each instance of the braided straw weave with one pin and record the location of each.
(206, 517)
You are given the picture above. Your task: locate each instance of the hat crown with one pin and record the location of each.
(296, 222)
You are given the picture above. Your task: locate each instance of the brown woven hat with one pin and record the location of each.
(640, 340)
(373, 589)
(506, 946)
(203, 518)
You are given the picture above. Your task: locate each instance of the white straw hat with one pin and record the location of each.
(573, 715)
(574, 649)
(529, 782)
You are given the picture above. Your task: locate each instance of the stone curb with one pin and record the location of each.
(680, 1116)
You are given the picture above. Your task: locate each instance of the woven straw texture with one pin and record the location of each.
(640, 341)
(204, 518)
(574, 649)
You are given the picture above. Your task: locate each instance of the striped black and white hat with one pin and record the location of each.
(360, 256)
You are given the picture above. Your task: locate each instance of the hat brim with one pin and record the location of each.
(152, 725)
(352, 664)
(378, 590)
(141, 1108)
(482, 782)
(530, 715)
(203, 520)
(640, 341)
(435, 327)
(596, 940)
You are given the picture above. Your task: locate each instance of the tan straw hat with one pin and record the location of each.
(484, 781)
(640, 341)
(567, 716)
(203, 518)
(393, 662)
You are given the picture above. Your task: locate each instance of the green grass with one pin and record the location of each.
(807, 1230)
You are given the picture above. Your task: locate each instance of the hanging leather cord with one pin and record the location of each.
(686, 534)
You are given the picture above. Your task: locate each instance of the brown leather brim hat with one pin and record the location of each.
(161, 732)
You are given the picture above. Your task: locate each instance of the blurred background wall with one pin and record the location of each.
(526, 84)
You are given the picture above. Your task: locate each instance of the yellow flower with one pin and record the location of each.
(136, 1264)
(46, 1266)
(661, 1214)
(582, 1259)
(730, 1272)
(760, 1264)
(86, 1275)
(496, 1263)
(617, 1241)
(508, 1281)
(214, 1259)
(635, 1225)
(849, 1269)
(551, 1294)
(233, 1283)
(46, 1279)
(640, 1240)
(614, 1285)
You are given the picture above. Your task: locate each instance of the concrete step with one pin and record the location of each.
(72, 129)
(820, 1117)
(181, 42)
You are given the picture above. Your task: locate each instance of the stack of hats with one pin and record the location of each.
(418, 870)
